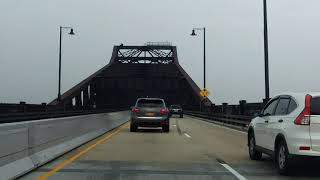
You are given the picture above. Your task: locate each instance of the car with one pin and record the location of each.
(288, 128)
(150, 112)
(176, 109)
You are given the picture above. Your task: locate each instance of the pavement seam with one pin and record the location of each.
(117, 171)
(178, 127)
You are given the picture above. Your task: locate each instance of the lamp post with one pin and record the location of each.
(204, 52)
(70, 33)
(266, 52)
(193, 33)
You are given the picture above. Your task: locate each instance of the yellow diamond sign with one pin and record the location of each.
(204, 93)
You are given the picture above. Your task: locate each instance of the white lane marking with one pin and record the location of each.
(187, 135)
(218, 125)
(234, 172)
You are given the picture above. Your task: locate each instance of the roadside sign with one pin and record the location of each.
(204, 93)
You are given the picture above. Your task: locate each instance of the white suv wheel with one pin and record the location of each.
(282, 157)
(251, 146)
(254, 154)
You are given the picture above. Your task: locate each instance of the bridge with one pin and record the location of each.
(84, 133)
(134, 71)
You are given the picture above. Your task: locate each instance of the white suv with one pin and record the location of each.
(288, 127)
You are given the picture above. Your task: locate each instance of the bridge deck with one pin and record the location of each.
(193, 149)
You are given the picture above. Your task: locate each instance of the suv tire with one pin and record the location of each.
(253, 153)
(166, 128)
(133, 128)
(181, 115)
(282, 158)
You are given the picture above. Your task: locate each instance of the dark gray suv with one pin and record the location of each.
(176, 109)
(150, 112)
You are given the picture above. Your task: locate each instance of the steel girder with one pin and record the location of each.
(133, 72)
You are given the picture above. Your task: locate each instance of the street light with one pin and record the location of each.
(70, 33)
(193, 33)
(266, 52)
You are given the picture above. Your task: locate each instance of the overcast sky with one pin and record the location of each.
(29, 41)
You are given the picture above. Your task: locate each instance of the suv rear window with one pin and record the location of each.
(150, 103)
(292, 106)
(315, 106)
(282, 106)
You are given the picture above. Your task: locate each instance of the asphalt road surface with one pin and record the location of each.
(193, 149)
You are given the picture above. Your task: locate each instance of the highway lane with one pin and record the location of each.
(193, 149)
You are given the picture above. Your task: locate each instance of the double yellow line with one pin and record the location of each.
(81, 153)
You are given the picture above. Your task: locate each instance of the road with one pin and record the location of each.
(194, 149)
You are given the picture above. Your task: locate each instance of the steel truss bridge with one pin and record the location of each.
(133, 72)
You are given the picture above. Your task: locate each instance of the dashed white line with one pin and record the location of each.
(187, 135)
(234, 172)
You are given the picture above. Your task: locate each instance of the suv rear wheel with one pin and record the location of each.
(133, 128)
(181, 115)
(253, 153)
(282, 158)
(166, 128)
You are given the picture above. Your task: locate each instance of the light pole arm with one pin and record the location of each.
(202, 29)
(66, 27)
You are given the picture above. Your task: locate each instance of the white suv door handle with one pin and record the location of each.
(266, 121)
(280, 120)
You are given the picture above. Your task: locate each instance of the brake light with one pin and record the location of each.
(164, 111)
(304, 116)
(304, 148)
(135, 110)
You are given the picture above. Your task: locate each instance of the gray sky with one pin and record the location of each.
(29, 39)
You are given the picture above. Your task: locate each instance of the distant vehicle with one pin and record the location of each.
(287, 128)
(150, 112)
(176, 109)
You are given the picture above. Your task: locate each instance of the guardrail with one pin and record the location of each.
(28, 145)
(20, 117)
(236, 120)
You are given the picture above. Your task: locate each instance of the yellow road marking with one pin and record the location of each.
(75, 157)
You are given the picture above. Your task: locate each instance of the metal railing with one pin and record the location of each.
(236, 120)
(19, 117)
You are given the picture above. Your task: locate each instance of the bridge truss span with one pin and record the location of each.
(133, 72)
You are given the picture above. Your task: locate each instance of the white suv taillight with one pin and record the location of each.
(304, 116)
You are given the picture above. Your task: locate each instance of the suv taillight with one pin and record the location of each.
(304, 116)
(164, 111)
(135, 110)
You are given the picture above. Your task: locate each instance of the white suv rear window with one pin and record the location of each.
(315, 106)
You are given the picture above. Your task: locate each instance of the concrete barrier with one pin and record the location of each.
(25, 146)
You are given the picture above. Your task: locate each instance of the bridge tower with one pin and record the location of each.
(152, 70)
